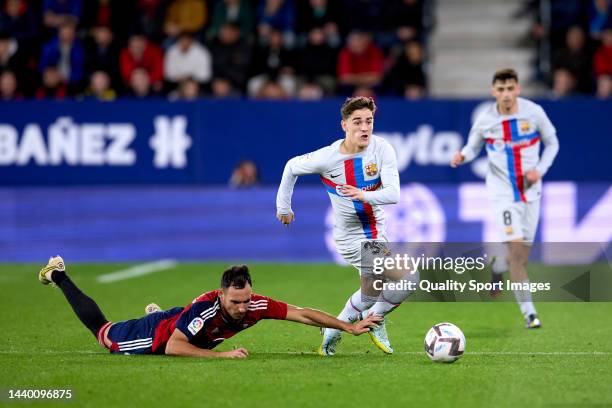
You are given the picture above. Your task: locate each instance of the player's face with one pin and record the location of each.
(235, 302)
(505, 93)
(358, 127)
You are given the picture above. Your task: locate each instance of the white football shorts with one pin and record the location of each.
(351, 252)
(516, 219)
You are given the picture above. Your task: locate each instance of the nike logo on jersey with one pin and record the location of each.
(334, 176)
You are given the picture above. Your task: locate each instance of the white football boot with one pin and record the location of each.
(378, 335)
(533, 322)
(331, 339)
(56, 263)
(152, 308)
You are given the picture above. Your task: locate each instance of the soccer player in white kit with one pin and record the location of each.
(512, 130)
(360, 174)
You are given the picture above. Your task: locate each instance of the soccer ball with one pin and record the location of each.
(444, 343)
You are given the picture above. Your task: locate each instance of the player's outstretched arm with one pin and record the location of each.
(306, 164)
(283, 197)
(313, 317)
(178, 345)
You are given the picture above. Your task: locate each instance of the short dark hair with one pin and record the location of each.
(186, 34)
(236, 276)
(505, 75)
(355, 103)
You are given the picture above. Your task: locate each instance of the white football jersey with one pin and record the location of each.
(513, 148)
(374, 170)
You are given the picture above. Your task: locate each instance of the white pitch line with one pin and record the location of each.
(138, 270)
(540, 353)
(54, 352)
(474, 353)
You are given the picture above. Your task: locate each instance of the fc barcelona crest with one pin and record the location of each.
(524, 126)
(371, 169)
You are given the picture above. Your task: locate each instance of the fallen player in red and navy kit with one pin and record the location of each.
(193, 330)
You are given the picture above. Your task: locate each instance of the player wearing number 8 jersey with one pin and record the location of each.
(360, 175)
(512, 130)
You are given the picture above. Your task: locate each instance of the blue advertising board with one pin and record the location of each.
(160, 142)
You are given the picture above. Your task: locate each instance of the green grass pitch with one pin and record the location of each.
(43, 346)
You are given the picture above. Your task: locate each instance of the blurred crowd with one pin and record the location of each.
(579, 32)
(185, 49)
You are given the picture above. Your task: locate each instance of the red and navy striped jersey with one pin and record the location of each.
(205, 326)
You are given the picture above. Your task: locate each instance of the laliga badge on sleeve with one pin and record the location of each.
(195, 325)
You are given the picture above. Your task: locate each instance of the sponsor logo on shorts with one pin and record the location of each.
(195, 325)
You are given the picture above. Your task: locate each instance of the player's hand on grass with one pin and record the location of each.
(457, 159)
(286, 219)
(238, 353)
(363, 326)
(533, 176)
(352, 192)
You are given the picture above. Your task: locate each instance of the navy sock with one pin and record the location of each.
(85, 308)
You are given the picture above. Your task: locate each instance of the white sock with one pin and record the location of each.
(500, 265)
(390, 299)
(382, 307)
(356, 304)
(498, 251)
(523, 298)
